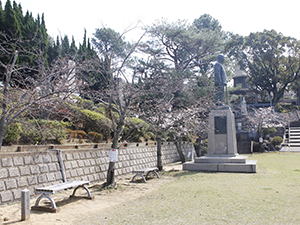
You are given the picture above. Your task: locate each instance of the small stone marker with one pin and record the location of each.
(25, 204)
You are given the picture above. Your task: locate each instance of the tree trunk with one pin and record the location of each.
(110, 177)
(298, 96)
(2, 131)
(179, 149)
(159, 161)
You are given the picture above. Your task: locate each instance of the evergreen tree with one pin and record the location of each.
(84, 42)
(1, 17)
(52, 51)
(18, 14)
(42, 34)
(73, 48)
(65, 46)
(28, 26)
(12, 26)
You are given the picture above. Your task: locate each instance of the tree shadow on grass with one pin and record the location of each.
(180, 173)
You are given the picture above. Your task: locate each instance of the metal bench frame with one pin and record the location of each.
(53, 189)
(50, 190)
(143, 173)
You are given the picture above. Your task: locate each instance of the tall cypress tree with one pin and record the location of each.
(12, 26)
(84, 41)
(28, 26)
(18, 14)
(73, 48)
(65, 46)
(1, 17)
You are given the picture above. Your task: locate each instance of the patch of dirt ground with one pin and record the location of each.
(74, 209)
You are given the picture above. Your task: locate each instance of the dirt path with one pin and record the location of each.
(72, 210)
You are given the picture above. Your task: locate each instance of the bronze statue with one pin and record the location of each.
(220, 81)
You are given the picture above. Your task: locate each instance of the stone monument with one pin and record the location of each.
(220, 80)
(243, 106)
(222, 153)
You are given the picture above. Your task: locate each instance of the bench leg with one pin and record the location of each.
(49, 198)
(85, 188)
(139, 175)
(155, 172)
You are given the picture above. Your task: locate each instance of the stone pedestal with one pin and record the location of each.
(222, 153)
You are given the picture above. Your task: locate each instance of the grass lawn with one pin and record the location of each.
(270, 196)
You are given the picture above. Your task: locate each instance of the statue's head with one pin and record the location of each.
(220, 58)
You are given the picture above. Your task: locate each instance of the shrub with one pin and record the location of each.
(37, 131)
(12, 133)
(279, 108)
(95, 137)
(277, 140)
(72, 133)
(80, 134)
(136, 130)
(77, 134)
(269, 130)
(95, 121)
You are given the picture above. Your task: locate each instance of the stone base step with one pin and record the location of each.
(248, 167)
(221, 159)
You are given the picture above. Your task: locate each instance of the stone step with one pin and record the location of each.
(294, 133)
(248, 167)
(294, 144)
(294, 130)
(216, 159)
(295, 136)
(294, 140)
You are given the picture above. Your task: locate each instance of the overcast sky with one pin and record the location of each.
(70, 17)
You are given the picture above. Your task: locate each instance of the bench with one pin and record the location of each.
(143, 173)
(53, 189)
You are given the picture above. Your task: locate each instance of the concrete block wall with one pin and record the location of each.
(20, 170)
(26, 170)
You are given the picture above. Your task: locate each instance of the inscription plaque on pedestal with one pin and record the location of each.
(220, 125)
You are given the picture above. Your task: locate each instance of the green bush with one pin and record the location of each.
(277, 140)
(137, 130)
(268, 130)
(84, 103)
(12, 133)
(41, 131)
(95, 122)
(279, 108)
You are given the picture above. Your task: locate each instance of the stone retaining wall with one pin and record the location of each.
(20, 170)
